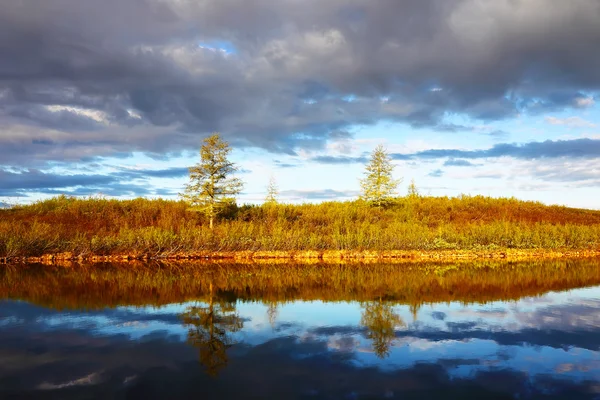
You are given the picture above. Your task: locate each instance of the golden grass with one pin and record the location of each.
(140, 228)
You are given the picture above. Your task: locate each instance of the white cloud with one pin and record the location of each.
(584, 101)
(575, 122)
(96, 115)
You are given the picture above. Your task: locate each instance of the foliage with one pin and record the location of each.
(381, 321)
(102, 285)
(272, 192)
(211, 186)
(209, 330)
(412, 189)
(160, 227)
(379, 187)
(216, 289)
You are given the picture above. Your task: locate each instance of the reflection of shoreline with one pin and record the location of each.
(326, 256)
(103, 285)
(554, 336)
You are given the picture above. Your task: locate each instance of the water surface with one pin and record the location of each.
(345, 332)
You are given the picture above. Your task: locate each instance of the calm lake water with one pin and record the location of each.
(239, 339)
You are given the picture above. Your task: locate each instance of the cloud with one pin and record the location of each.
(119, 76)
(339, 159)
(459, 163)
(584, 102)
(498, 134)
(576, 174)
(579, 317)
(325, 194)
(574, 122)
(29, 181)
(438, 173)
(176, 172)
(280, 164)
(576, 149)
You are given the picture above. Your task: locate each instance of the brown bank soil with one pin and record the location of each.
(333, 256)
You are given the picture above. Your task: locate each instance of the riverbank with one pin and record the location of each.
(412, 227)
(334, 256)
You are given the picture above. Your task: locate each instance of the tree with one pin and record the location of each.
(380, 320)
(210, 329)
(272, 192)
(379, 186)
(412, 189)
(211, 186)
(272, 313)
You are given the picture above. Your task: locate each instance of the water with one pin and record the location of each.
(76, 333)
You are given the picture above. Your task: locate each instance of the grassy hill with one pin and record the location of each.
(159, 227)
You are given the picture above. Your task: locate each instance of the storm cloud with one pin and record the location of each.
(84, 79)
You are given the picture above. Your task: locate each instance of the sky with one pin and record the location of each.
(113, 98)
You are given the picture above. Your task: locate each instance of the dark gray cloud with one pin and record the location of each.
(27, 181)
(119, 76)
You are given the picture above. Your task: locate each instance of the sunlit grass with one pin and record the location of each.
(161, 227)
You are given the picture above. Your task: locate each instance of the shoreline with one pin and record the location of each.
(317, 256)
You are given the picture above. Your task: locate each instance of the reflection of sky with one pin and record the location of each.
(465, 339)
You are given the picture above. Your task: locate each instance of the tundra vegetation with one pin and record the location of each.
(379, 220)
(162, 227)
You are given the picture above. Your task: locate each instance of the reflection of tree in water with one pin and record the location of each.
(209, 330)
(414, 310)
(272, 313)
(380, 320)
